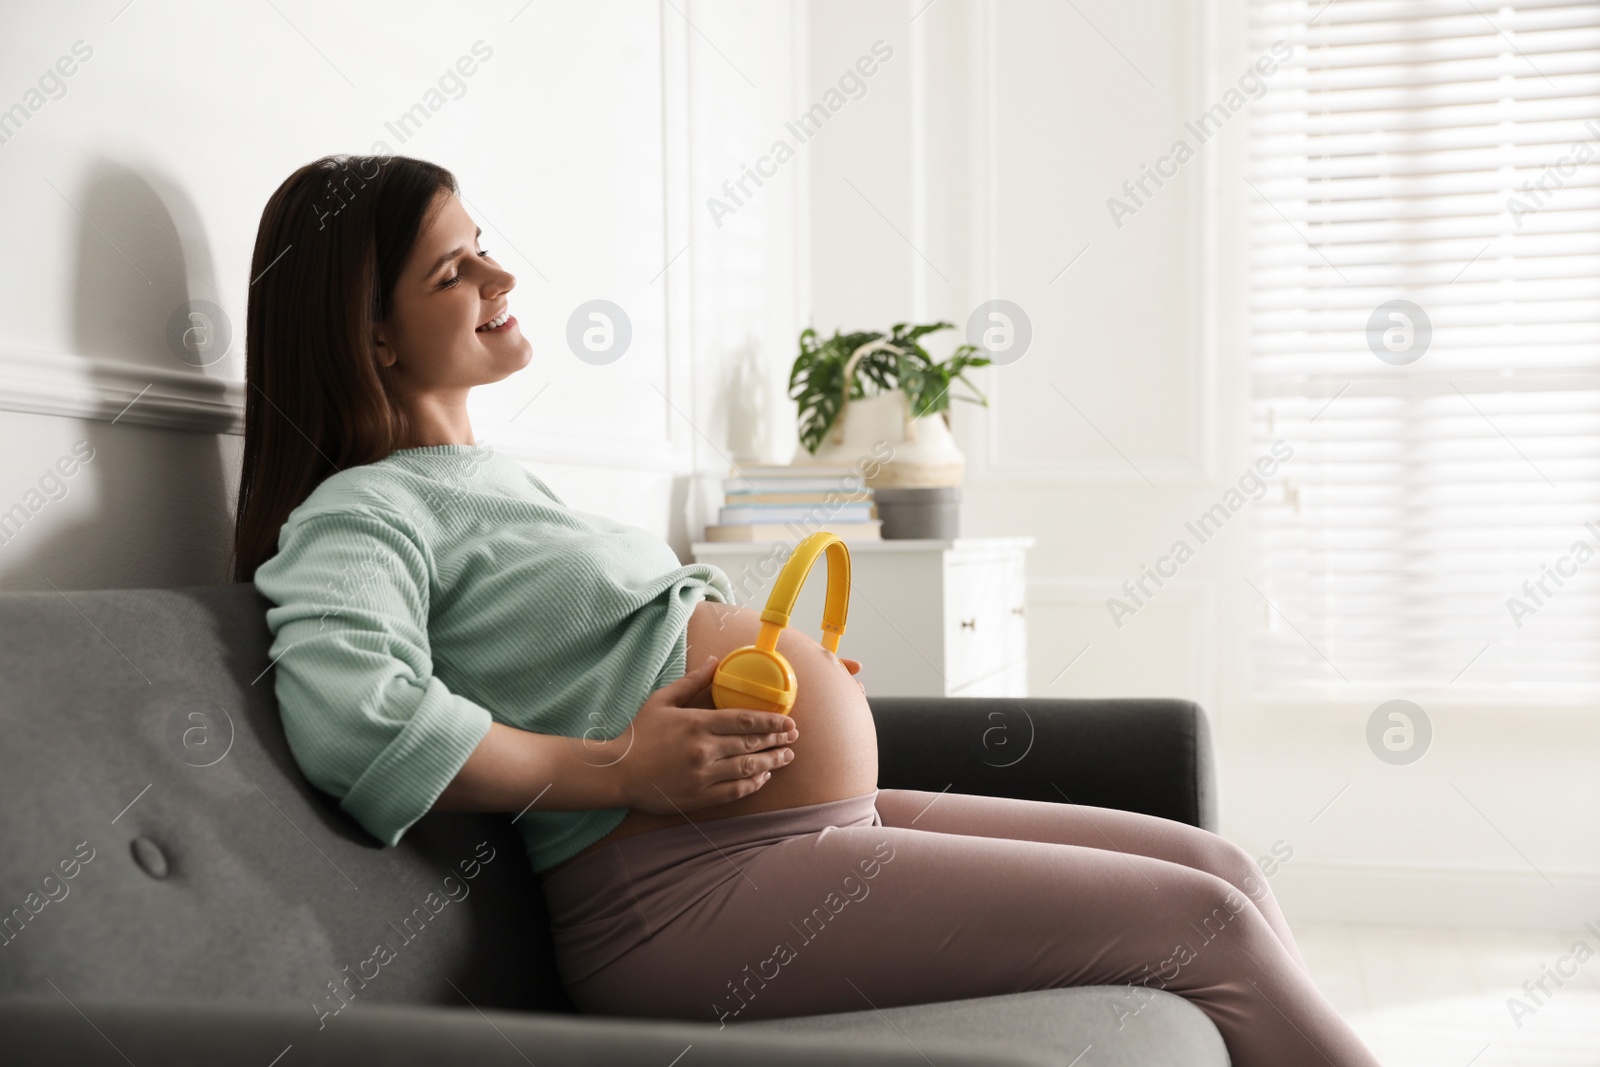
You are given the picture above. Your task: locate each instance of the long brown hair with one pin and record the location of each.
(332, 241)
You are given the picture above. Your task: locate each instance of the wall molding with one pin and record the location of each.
(111, 390)
(537, 446)
(1198, 463)
(676, 279)
(105, 390)
(1435, 896)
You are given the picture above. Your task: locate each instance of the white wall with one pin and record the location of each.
(977, 164)
(581, 144)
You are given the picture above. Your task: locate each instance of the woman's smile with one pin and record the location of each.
(502, 322)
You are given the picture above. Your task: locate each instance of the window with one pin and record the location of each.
(1424, 266)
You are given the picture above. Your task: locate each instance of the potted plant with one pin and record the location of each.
(854, 390)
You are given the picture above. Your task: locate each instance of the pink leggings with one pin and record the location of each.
(904, 897)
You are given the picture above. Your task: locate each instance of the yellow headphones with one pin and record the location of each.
(757, 676)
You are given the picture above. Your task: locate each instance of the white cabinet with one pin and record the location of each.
(927, 617)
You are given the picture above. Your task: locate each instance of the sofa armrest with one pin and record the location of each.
(88, 1033)
(1146, 755)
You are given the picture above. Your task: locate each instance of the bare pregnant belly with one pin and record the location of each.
(836, 754)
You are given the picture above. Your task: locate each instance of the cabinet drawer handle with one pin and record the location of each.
(1016, 611)
(969, 624)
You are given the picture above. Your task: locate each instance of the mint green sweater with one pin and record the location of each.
(420, 597)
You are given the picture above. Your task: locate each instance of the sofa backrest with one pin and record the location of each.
(160, 842)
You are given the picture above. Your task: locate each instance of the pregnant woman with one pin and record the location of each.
(450, 635)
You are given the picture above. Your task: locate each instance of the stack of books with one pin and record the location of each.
(786, 503)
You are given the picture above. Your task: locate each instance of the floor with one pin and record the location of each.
(1427, 996)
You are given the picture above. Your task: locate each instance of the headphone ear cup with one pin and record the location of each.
(757, 678)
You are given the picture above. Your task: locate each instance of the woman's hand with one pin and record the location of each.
(676, 756)
(854, 667)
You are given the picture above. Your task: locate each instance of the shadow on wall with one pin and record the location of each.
(146, 312)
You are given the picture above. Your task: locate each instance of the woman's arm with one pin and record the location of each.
(511, 768)
(674, 756)
(365, 716)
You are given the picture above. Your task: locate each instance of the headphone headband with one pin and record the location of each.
(786, 590)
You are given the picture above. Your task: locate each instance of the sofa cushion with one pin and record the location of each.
(1154, 1029)
(49, 1032)
(161, 842)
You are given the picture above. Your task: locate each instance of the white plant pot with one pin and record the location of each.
(921, 452)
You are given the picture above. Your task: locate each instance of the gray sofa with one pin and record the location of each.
(172, 889)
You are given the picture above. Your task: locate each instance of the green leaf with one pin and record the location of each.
(816, 380)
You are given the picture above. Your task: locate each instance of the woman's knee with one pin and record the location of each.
(1238, 867)
(1215, 854)
(1211, 919)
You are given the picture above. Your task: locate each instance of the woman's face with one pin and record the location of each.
(446, 290)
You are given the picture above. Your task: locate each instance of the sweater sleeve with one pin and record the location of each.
(366, 718)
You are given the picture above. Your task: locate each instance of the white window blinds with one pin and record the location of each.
(1439, 531)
